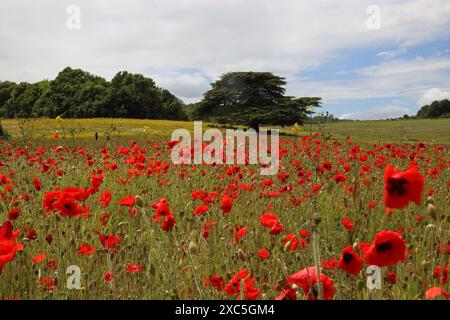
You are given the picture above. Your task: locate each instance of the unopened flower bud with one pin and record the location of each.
(242, 255)
(432, 211)
(193, 248)
(139, 201)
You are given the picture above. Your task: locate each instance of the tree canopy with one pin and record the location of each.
(253, 99)
(437, 109)
(75, 93)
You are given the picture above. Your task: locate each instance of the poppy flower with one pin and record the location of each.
(108, 276)
(350, 261)
(402, 187)
(436, 293)
(307, 279)
(268, 219)
(105, 199)
(227, 204)
(8, 249)
(67, 207)
(7, 232)
(134, 268)
(128, 201)
(168, 223)
(348, 224)
(263, 254)
(387, 249)
(39, 258)
(199, 210)
(234, 285)
(48, 283)
(110, 241)
(215, 281)
(162, 211)
(86, 249)
(37, 184)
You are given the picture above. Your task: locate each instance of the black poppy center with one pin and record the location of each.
(383, 247)
(397, 186)
(348, 257)
(68, 206)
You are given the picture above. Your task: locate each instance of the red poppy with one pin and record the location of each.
(134, 268)
(264, 254)
(227, 204)
(7, 232)
(37, 184)
(387, 249)
(13, 214)
(402, 187)
(108, 276)
(8, 249)
(215, 281)
(168, 223)
(436, 293)
(162, 211)
(86, 249)
(268, 219)
(348, 224)
(39, 258)
(67, 207)
(200, 210)
(110, 241)
(105, 199)
(128, 201)
(350, 261)
(307, 279)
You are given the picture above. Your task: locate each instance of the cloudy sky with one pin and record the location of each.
(365, 62)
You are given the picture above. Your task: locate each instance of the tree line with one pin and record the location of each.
(246, 98)
(75, 93)
(437, 109)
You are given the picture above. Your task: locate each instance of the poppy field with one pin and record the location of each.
(85, 218)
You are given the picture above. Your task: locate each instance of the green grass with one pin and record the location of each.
(377, 131)
(398, 131)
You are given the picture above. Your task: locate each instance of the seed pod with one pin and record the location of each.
(242, 255)
(287, 246)
(139, 201)
(432, 211)
(193, 248)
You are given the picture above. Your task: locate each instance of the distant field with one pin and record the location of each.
(380, 131)
(383, 131)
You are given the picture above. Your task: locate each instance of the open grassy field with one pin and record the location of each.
(379, 131)
(116, 219)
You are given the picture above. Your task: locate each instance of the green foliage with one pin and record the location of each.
(438, 109)
(75, 93)
(252, 99)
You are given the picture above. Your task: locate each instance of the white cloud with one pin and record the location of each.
(390, 79)
(283, 36)
(432, 95)
(392, 111)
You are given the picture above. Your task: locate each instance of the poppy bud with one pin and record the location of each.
(152, 269)
(287, 246)
(193, 248)
(432, 211)
(242, 255)
(316, 219)
(139, 201)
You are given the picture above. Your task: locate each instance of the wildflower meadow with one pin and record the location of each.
(343, 218)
